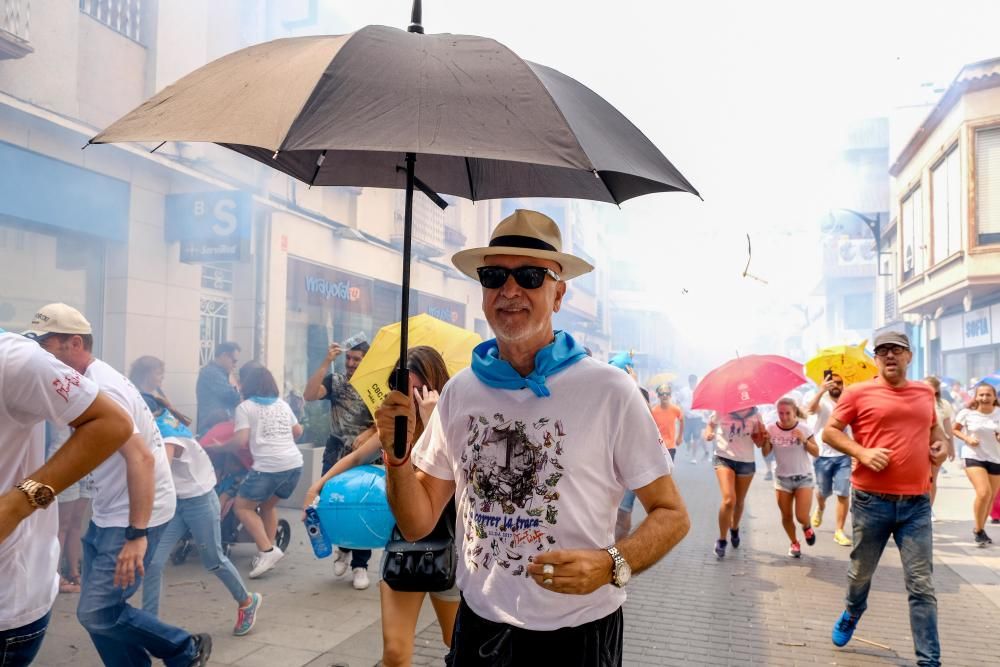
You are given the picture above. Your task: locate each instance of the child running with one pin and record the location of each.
(792, 442)
(269, 426)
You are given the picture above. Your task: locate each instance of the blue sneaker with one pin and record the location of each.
(734, 537)
(844, 629)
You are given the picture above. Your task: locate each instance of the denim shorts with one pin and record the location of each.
(792, 482)
(833, 475)
(741, 468)
(261, 486)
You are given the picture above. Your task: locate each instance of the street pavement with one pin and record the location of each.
(757, 606)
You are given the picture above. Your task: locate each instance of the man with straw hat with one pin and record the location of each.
(537, 442)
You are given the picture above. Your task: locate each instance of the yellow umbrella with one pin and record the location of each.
(848, 361)
(371, 379)
(660, 378)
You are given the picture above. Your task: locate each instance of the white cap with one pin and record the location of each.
(58, 318)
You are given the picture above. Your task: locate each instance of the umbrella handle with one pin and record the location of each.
(401, 379)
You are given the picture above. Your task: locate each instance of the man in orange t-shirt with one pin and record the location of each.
(666, 415)
(896, 436)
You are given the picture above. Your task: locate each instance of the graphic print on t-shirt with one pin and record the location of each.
(512, 470)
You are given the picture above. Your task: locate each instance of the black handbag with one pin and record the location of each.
(427, 565)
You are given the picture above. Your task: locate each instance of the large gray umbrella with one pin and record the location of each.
(351, 109)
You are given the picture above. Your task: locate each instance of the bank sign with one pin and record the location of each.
(210, 226)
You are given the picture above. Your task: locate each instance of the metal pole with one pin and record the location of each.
(402, 374)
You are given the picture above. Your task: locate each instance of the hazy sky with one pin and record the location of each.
(748, 99)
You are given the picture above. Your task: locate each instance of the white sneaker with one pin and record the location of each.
(340, 560)
(265, 561)
(360, 578)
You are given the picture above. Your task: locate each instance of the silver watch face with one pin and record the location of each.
(623, 572)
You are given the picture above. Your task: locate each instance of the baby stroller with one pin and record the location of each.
(231, 468)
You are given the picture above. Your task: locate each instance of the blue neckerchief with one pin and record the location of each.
(170, 427)
(493, 371)
(264, 400)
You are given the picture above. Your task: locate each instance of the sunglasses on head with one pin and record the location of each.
(528, 277)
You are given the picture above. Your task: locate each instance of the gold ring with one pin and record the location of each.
(547, 582)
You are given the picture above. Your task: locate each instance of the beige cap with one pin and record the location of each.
(58, 318)
(524, 233)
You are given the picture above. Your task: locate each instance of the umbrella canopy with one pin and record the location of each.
(371, 379)
(747, 382)
(347, 109)
(850, 362)
(993, 380)
(343, 109)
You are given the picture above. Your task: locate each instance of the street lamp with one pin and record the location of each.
(875, 227)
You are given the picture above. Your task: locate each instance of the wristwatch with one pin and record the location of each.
(39, 495)
(132, 533)
(621, 571)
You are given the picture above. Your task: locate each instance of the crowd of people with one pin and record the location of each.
(532, 458)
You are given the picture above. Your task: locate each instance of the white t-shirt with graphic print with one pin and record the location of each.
(536, 474)
(272, 442)
(34, 386)
(789, 452)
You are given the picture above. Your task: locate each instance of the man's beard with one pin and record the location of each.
(835, 393)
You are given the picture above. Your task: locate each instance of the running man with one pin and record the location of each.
(833, 468)
(896, 438)
(666, 415)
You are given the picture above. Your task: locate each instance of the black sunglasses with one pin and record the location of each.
(528, 277)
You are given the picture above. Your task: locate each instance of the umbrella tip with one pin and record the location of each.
(416, 19)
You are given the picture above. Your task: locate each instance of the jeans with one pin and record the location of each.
(122, 634)
(18, 646)
(908, 521)
(359, 557)
(200, 515)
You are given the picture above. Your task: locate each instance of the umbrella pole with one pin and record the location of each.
(402, 374)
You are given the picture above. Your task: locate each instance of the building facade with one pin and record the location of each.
(946, 208)
(170, 252)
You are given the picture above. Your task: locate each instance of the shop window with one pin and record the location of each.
(988, 185)
(214, 326)
(39, 266)
(946, 206)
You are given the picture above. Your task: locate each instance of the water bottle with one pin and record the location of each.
(320, 544)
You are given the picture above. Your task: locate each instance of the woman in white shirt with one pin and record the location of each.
(735, 435)
(978, 426)
(267, 424)
(792, 442)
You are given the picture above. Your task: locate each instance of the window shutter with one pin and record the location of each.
(988, 184)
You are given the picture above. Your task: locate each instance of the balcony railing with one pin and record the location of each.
(15, 22)
(122, 16)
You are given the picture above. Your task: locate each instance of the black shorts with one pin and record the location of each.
(991, 467)
(478, 642)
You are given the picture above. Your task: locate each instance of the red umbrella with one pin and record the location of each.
(746, 382)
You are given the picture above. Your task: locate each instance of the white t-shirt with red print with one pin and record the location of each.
(34, 387)
(539, 474)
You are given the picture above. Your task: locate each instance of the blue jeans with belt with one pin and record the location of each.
(122, 634)
(908, 522)
(200, 515)
(19, 646)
